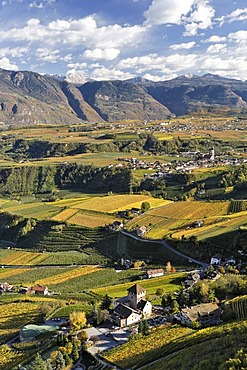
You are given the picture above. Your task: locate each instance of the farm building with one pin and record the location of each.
(30, 332)
(204, 314)
(154, 273)
(141, 231)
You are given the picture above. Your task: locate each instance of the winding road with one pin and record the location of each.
(165, 243)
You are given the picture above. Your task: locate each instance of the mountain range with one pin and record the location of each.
(28, 98)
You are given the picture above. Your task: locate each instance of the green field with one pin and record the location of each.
(169, 283)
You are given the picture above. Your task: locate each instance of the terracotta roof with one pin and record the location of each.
(39, 288)
(136, 289)
(155, 271)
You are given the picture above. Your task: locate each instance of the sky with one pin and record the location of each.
(121, 39)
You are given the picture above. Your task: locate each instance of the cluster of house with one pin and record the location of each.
(134, 307)
(36, 289)
(218, 259)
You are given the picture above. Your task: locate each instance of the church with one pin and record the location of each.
(132, 308)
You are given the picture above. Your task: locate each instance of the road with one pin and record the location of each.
(165, 243)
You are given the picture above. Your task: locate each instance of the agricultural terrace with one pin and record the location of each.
(182, 352)
(115, 203)
(75, 281)
(83, 211)
(14, 257)
(169, 283)
(179, 216)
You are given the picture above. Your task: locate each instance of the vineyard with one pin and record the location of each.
(179, 219)
(237, 206)
(136, 351)
(182, 352)
(169, 283)
(27, 258)
(239, 307)
(14, 316)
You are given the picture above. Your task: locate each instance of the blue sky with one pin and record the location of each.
(120, 39)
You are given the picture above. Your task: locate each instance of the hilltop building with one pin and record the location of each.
(132, 308)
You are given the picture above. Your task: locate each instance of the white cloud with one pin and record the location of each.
(166, 77)
(47, 55)
(200, 18)
(84, 32)
(235, 67)
(17, 52)
(216, 48)
(153, 62)
(167, 11)
(6, 64)
(77, 66)
(185, 45)
(193, 14)
(36, 5)
(104, 73)
(239, 36)
(97, 54)
(216, 38)
(236, 15)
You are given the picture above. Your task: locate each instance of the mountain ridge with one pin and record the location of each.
(28, 98)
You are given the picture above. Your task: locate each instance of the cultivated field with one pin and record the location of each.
(178, 217)
(169, 283)
(93, 211)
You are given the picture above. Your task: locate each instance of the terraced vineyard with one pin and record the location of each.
(177, 347)
(177, 219)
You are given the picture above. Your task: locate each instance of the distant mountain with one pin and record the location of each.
(28, 98)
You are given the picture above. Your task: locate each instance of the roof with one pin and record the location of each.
(136, 289)
(155, 271)
(141, 304)
(31, 331)
(39, 288)
(204, 309)
(218, 256)
(124, 311)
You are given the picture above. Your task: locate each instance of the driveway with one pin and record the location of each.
(107, 339)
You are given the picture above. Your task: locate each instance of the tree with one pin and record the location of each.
(39, 363)
(145, 206)
(104, 315)
(106, 302)
(159, 292)
(60, 363)
(78, 319)
(145, 330)
(168, 267)
(239, 362)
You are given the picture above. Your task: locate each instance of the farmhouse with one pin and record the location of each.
(141, 231)
(132, 308)
(216, 259)
(204, 314)
(154, 273)
(5, 287)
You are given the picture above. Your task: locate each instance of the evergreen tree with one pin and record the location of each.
(106, 302)
(60, 363)
(145, 330)
(75, 352)
(39, 363)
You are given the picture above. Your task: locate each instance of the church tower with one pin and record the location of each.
(135, 294)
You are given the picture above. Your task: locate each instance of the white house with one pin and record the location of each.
(154, 273)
